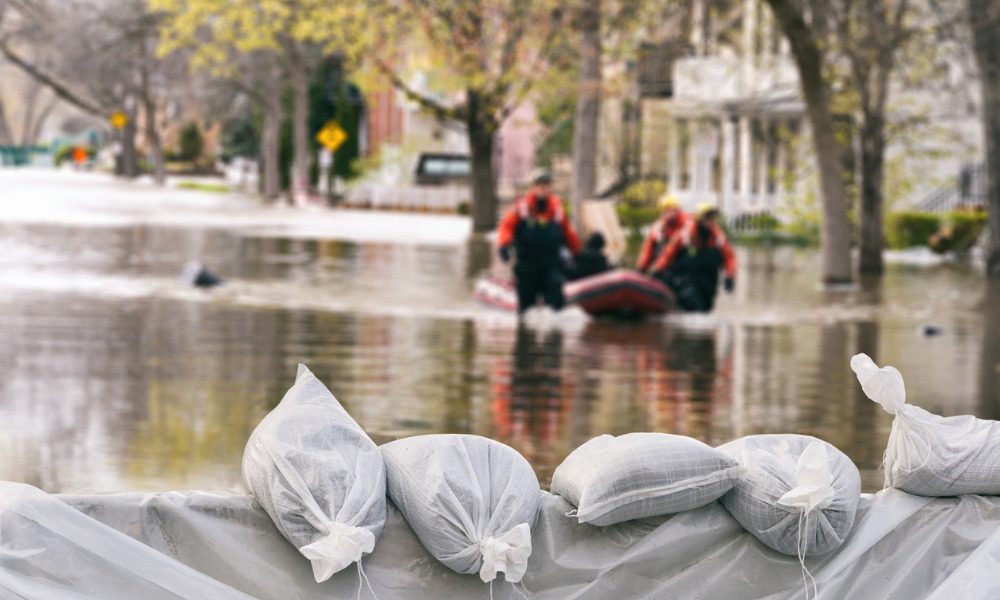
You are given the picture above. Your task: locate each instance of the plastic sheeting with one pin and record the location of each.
(202, 545)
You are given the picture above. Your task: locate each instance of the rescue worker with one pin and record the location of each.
(672, 220)
(536, 229)
(591, 260)
(691, 261)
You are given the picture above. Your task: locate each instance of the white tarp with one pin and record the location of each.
(202, 545)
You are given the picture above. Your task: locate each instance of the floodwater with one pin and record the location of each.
(114, 376)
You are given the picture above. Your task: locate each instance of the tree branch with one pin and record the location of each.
(439, 110)
(503, 89)
(60, 90)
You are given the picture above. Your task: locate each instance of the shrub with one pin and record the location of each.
(191, 142)
(634, 218)
(905, 229)
(761, 222)
(65, 153)
(637, 207)
(960, 231)
(644, 193)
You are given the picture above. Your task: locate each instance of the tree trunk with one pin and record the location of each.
(129, 166)
(300, 130)
(482, 128)
(36, 128)
(270, 141)
(30, 104)
(834, 230)
(984, 18)
(153, 141)
(5, 137)
(588, 106)
(989, 357)
(872, 179)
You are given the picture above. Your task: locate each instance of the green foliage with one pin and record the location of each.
(905, 229)
(216, 188)
(64, 153)
(634, 218)
(801, 217)
(239, 137)
(191, 142)
(557, 142)
(762, 221)
(644, 193)
(960, 231)
(337, 100)
(333, 98)
(638, 208)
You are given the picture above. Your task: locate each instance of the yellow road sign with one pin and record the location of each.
(118, 119)
(332, 136)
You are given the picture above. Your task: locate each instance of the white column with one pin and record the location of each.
(781, 168)
(746, 159)
(761, 190)
(801, 145)
(694, 156)
(674, 156)
(726, 164)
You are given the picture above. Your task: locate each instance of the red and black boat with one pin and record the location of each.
(619, 292)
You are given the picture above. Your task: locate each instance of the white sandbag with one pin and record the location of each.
(318, 476)
(927, 454)
(471, 501)
(637, 475)
(798, 495)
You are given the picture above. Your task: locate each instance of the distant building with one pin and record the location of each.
(403, 130)
(730, 127)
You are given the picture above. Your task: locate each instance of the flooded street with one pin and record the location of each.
(115, 376)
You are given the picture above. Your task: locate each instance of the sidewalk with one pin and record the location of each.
(97, 199)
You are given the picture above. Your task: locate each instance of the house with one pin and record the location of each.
(731, 127)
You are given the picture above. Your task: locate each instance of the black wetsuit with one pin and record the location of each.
(539, 267)
(589, 262)
(694, 276)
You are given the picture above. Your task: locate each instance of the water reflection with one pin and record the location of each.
(555, 390)
(530, 399)
(989, 362)
(131, 382)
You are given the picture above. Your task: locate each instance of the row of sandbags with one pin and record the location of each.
(472, 501)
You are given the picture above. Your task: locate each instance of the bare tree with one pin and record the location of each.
(808, 48)
(984, 19)
(588, 105)
(870, 36)
(493, 52)
(5, 136)
(98, 57)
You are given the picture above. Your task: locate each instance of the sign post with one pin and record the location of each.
(325, 165)
(331, 136)
(118, 119)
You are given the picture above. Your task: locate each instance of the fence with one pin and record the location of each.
(409, 197)
(19, 156)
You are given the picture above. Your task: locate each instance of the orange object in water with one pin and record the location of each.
(79, 155)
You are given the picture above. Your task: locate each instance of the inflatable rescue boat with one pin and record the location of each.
(619, 292)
